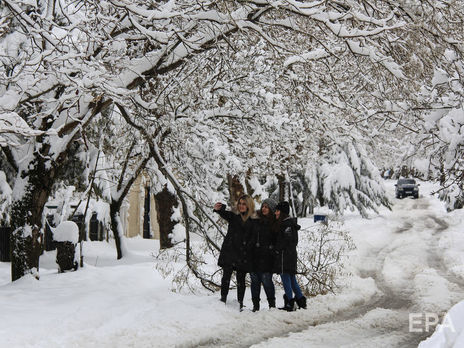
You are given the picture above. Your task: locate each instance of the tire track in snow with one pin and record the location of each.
(402, 299)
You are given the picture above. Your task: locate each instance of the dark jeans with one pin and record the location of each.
(225, 283)
(291, 286)
(265, 278)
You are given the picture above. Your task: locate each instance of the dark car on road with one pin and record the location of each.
(406, 187)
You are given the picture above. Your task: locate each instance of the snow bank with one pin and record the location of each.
(450, 333)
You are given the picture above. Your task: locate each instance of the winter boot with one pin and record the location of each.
(285, 302)
(301, 302)
(224, 293)
(290, 306)
(255, 304)
(271, 302)
(241, 306)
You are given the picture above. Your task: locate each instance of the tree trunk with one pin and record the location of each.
(235, 190)
(249, 188)
(165, 203)
(282, 187)
(25, 252)
(26, 217)
(116, 226)
(320, 195)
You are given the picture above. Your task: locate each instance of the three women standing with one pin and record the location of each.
(260, 246)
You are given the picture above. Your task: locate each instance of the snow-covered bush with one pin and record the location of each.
(453, 196)
(66, 236)
(322, 251)
(198, 273)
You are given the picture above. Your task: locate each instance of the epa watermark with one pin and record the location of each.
(426, 322)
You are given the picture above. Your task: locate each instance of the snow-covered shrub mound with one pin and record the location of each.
(67, 231)
(66, 236)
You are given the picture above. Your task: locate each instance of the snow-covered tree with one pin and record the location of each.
(345, 178)
(443, 137)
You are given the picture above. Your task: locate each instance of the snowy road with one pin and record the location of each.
(411, 274)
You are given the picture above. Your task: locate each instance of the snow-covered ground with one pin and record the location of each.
(407, 268)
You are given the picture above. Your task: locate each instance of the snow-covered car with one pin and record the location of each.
(406, 187)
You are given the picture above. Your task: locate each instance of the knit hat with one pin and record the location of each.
(284, 207)
(270, 203)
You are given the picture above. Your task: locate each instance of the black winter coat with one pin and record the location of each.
(263, 240)
(235, 251)
(286, 242)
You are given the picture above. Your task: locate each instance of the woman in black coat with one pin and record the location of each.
(235, 250)
(263, 241)
(286, 261)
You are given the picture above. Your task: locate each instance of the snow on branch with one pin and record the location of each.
(376, 57)
(150, 15)
(12, 124)
(28, 22)
(302, 58)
